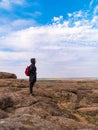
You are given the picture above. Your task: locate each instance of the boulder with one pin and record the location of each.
(5, 75)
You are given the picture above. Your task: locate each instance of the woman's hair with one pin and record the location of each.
(33, 60)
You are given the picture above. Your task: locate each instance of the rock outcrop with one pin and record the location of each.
(57, 105)
(5, 75)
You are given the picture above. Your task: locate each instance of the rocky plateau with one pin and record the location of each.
(70, 104)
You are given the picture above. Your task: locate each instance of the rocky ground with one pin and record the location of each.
(57, 105)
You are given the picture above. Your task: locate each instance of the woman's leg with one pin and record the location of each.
(31, 87)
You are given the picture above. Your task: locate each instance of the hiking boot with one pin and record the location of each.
(32, 94)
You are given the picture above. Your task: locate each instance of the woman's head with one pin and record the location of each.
(33, 60)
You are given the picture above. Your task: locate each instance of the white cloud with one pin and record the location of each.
(53, 46)
(7, 4)
(96, 10)
(58, 20)
(22, 23)
(7, 26)
(18, 2)
(91, 3)
(49, 35)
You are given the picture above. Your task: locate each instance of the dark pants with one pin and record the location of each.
(31, 86)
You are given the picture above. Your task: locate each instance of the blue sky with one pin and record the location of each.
(62, 35)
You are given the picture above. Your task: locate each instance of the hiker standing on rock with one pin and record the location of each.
(32, 77)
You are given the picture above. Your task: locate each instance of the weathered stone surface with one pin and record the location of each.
(57, 105)
(92, 111)
(5, 102)
(4, 75)
(3, 114)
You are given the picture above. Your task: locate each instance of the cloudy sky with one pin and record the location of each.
(61, 34)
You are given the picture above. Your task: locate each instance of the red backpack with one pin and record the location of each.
(27, 71)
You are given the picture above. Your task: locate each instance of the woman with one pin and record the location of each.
(32, 77)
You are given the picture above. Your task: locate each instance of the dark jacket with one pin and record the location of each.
(32, 77)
